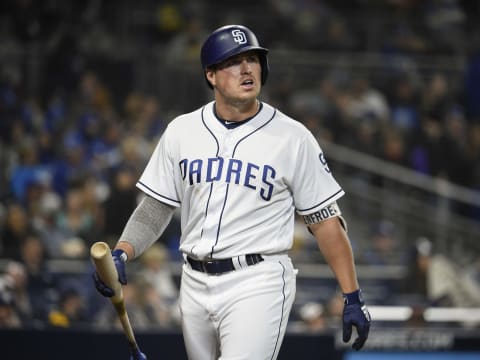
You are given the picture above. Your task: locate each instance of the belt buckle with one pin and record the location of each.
(205, 264)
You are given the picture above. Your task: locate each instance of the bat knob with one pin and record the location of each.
(138, 355)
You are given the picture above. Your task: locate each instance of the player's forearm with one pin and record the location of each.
(127, 247)
(335, 247)
(145, 226)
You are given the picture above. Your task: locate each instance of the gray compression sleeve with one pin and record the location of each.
(146, 224)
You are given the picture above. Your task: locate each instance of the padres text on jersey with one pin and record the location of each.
(252, 176)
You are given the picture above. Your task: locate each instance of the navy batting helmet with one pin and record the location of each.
(231, 40)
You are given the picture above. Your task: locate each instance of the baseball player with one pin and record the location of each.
(239, 169)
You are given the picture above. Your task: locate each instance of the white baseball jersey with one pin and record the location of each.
(238, 188)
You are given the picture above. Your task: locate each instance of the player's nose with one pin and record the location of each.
(245, 67)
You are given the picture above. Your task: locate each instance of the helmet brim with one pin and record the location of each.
(235, 52)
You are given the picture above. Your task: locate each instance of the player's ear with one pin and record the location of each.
(210, 75)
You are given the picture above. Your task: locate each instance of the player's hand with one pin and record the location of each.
(356, 314)
(119, 262)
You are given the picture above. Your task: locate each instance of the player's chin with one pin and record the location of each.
(249, 92)
(246, 100)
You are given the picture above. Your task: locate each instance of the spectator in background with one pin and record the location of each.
(103, 149)
(156, 272)
(367, 102)
(107, 318)
(437, 280)
(415, 282)
(456, 158)
(75, 220)
(385, 248)
(17, 227)
(404, 105)
(89, 128)
(144, 118)
(312, 319)
(121, 201)
(41, 284)
(160, 313)
(436, 97)
(94, 98)
(14, 285)
(53, 237)
(95, 192)
(393, 147)
(426, 147)
(46, 147)
(72, 165)
(70, 311)
(366, 138)
(9, 319)
(29, 173)
(315, 317)
(134, 150)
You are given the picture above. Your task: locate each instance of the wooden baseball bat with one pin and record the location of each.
(102, 258)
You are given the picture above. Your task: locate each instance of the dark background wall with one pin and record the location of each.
(93, 345)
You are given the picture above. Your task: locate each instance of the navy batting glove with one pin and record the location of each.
(119, 259)
(138, 355)
(355, 313)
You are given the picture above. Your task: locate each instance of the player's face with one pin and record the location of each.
(237, 79)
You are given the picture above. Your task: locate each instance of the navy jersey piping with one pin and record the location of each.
(216, 154)
(281, 317)
(254, 131)
(323, 202)
(236, 124)
(220, 221)
(158, 194)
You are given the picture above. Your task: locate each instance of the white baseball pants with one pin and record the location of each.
(239, 315)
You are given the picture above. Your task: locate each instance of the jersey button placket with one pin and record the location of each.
(227, 147)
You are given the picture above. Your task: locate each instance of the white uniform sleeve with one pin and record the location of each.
(158, 178)
(313, 184)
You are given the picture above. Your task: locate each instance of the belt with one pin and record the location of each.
(217, 267)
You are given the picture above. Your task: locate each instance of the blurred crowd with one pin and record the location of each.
(76, 130)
